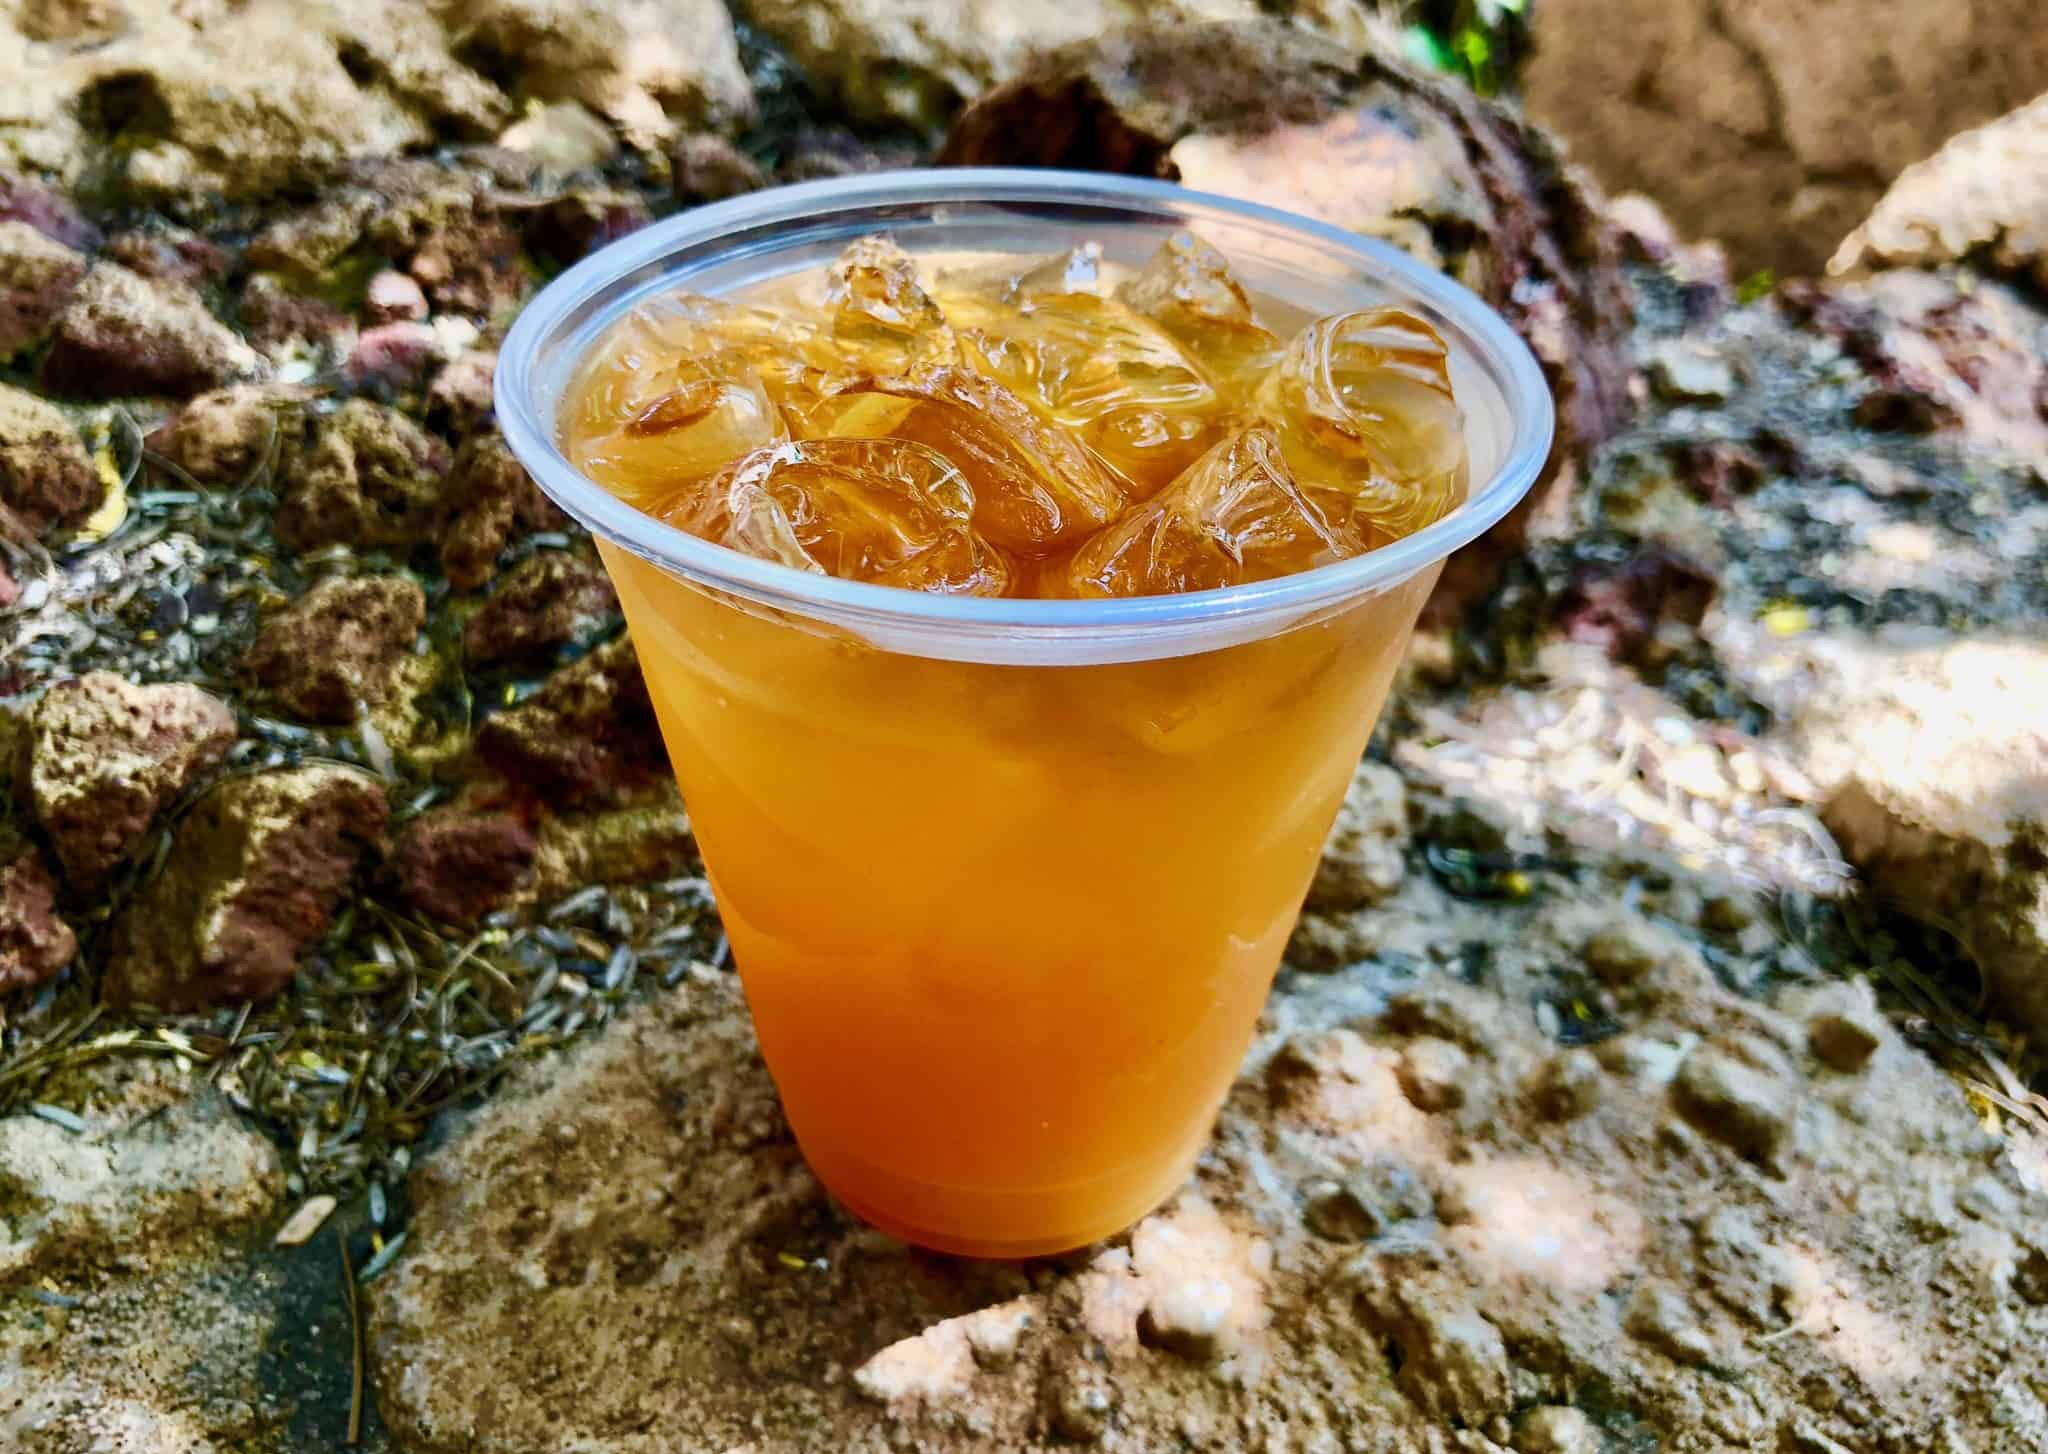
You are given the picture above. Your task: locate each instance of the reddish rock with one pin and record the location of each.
(34, 942)
(369, 477)
(460, 395)
(46, 476)
(456, 864)
(578, 223)
(470, 264)
(253, 877)
(124, 334)
(275, 317)
(1621, 608)
(1262, 110)
(49, 213)
(391, 355)
(335, 649)
(546, 601)
(105, 756)
(37, 279)
(588, 735)
(815, 153)
(708, 168)
(492, 502)
(220, 438)
(171, 255)
(392, 297)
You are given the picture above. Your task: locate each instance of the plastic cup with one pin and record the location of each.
(1007, 881)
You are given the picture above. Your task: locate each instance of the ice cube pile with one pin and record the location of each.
(1028, 427)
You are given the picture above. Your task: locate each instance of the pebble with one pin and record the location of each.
(1735, 1103)
(1623, 953)
(1436, 1011)
(308, 1219)
(1432, 1073)
(1567, 1086)
(1661, 1317)
(1188, 1318)
(1083, 1402)
(1845, 1036)
(1366, 1204)
(1555, 1429)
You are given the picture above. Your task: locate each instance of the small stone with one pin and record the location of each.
(460, 395)
(1555, 1429)
(1362, 862)
(1083, 1401)
(993, 1334)
(587, 735)
(582, 220)
(1366, 1204)
(1661, 1317)
(171, 255)
(34, 941)
(253, 875)
(221, 438)
(2030, 1274)
(1440, 1011)
(1734, 1102)
(472, 264)
(1847, 1033)
(105, 756)
(457, 864)
(1685, 372)
(563, 138)
(1433, 1073)
(277, 319)
(494, 502)
(551, 598)
(393, 297)
(1568, 1085)
(311, 1216)
(1624, 952)
(1188, 1318)
(336, 649)
(369, 477)
(37, 278)
(391, 356)
(46, 475)
(123, 334)
(708, 168)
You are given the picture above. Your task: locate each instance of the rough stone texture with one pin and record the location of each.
(548, 600)
(336, 650)
(367, 476)
(257, 99)
(122, 334)
(222, 438)
(645, 835)
(456, 864)
(253, 876)
(493, 501)
(1773, 126)
(629, 1240)
(460, 394)
(46, 476)
(708, 168)
(35, 942)
(587, 736)
(1363, 860)
(394, 297)
(172, 255)
(1983, 196)
(104, 756)
(1265, 111)
(37, 276)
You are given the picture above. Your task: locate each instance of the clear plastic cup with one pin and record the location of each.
(1007, 881)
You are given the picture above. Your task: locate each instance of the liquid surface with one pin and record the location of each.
(1023, 426)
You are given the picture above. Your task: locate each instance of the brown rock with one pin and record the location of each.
(493, 502)
(275, 317)
(334, 651)
(46, 476)
(1773, 126)
(1736, 1101)
(567, 228)
(457, 864)
(474, 265)
(1556, 1429)
(547, 600)
(1265, 111)
(126, 334)
(393, 297)
(34, 942)
(1629, 609)
(369, 476)
(460, 396)
(1362, 861)
(257, 868)
(391, 356)
(588, 735)
(37, 278)
(104, 757)
(220, 439)
(1453, 1362)
(707, 168)
(171, 255)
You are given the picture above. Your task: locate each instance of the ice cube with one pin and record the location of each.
(681, 436)
(1037, 489)
(882, 317)
(1152, 447)
(1189, 290)
(1363, 406)
(889, 511)
(1235, 516)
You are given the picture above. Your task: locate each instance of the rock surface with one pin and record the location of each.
(46, 476)
(587, 736)
(35, 942)
(222, 438)
(254, 875)
(105, 756)
(550, 599)
(121, 333)
(1773, 127)
(367, 475)
(335, 651)
(37, 276)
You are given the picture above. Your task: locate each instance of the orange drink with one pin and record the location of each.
(1014, 656)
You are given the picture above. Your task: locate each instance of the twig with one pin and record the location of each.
(355, 1332)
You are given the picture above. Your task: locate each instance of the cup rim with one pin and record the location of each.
(529, 429)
